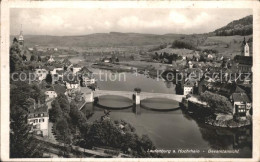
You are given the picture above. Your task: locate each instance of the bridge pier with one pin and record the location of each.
(91, 96)
(137, 98)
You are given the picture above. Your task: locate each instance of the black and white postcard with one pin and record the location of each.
(130, 80)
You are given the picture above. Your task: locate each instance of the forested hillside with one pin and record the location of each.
(242, 27)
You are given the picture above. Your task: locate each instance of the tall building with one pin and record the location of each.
(246, 50)
(20, 38)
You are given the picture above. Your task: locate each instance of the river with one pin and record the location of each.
(170, 130)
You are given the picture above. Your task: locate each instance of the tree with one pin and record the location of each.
(49, 78)
(24, 58)
(15, 40)
(37, 93)
(32, 58)
(217, 103)
(55, 112)
(15, 57)
(63, 130)
(108, 133)
(64, 103)
(39, 59)
(22, 143)
(77, 117)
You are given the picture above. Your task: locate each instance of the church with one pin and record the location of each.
(20, 38)
(245, 48)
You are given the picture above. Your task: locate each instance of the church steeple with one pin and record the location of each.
(20, 38)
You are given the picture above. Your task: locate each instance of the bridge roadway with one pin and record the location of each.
(143, 95)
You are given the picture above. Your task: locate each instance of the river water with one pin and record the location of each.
(172, 130)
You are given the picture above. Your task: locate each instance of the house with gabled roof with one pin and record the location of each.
(50, 93)
(41, 73)
(38, 118)
(242, 104)
(71, 81)
(189, 86)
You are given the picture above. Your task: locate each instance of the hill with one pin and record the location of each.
(99, 40)
(242, 26)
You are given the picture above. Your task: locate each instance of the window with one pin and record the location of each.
(36, 120)
(42, 120)
(42, 114)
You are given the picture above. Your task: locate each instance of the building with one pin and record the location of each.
(87, 81)
(188, 87)
(190, 64)
(74, 84)
(39, 119)
(66, 63)
(241, 105)
(76, 68)
(242, 64)
(71, 82)
(57, 67)
(20, 38)
(51, 59)
(50, 93)
(41, 74)
(246, 50)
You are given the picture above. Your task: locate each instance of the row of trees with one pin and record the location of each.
(182, 44)
(66, 118)
(166, 56)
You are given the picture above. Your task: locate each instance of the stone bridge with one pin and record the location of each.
(132, 95)
(142, 95)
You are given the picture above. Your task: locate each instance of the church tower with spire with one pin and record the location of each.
(20, 38)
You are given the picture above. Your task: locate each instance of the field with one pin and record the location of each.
(225, 45)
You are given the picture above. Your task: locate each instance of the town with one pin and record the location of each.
(54, 94)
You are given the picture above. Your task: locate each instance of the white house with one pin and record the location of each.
(76, 69)
(246, 50)
(50, 93)
(51, 59)
(210, 56)
(188, 88)
(72, 84)
(241, 104)
(39, 119)
(88, 80)
(41, 74)
(190, 64)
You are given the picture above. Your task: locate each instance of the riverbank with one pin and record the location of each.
(229, 123)
(199, 111)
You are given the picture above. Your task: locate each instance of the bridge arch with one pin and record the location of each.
(137, 96)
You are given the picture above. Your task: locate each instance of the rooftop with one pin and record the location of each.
(42, 109)
(240, 97)
(59, 89)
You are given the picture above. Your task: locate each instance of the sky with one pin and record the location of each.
(81, 21)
